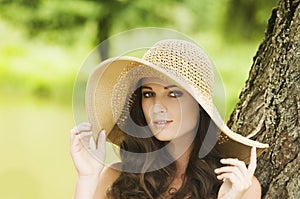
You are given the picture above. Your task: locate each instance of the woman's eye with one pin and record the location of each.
(148, 94)
(175, 94)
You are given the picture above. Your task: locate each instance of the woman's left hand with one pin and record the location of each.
(237, 176)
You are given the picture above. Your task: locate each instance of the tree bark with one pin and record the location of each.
(269, 106)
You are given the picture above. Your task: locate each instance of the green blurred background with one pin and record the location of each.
(43, 45)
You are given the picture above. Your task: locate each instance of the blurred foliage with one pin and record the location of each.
(243, 19)
(54, 21)
(46, 41)
(246, 19)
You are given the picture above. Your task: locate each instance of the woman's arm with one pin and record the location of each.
(88, 162)
(86, 187)
(239, 181)
(95, 186)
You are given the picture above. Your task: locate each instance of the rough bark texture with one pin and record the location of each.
(269, 106)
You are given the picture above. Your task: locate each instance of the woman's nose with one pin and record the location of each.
(158, 108)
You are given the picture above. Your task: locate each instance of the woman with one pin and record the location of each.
(173, 142)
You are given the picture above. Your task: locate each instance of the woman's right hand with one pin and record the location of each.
(87, 161)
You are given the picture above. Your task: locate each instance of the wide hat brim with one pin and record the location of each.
(100, 91)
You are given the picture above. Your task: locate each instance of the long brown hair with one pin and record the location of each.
(199, 180)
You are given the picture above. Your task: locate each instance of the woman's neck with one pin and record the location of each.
(182, 163)
(181, 149)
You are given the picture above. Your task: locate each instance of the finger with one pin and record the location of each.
(230, 176)
(72, 136)
(101, 141)
(77, 141)
(235, 162)
(229, 169)
(238, 184)
(92, 144)
(86, 134)
(83, 127)
(231, 161)
(87, 140)
(252, 164)
(101, 147)
(73, 133)
(76, 144)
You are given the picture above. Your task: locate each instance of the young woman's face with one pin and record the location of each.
(170, 111)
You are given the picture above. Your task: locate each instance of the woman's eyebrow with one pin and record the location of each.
(170, 86)
(146, 87)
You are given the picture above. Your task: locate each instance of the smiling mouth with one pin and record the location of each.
(161, 123)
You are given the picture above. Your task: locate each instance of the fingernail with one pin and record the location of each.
(216, 170)
(103, 132)
(222, 160)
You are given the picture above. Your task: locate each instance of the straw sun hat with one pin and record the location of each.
(114, 80)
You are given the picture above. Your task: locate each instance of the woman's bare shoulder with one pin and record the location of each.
(107, 177)
(112, 171)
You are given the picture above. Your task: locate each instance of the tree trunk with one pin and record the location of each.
(269, 105)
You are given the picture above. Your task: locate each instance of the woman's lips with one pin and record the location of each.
(161, 123)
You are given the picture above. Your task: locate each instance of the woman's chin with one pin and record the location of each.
(163, 136)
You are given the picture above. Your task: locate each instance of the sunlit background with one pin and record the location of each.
(43, 45)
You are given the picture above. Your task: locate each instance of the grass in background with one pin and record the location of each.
(36, 81)
(35, 160)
